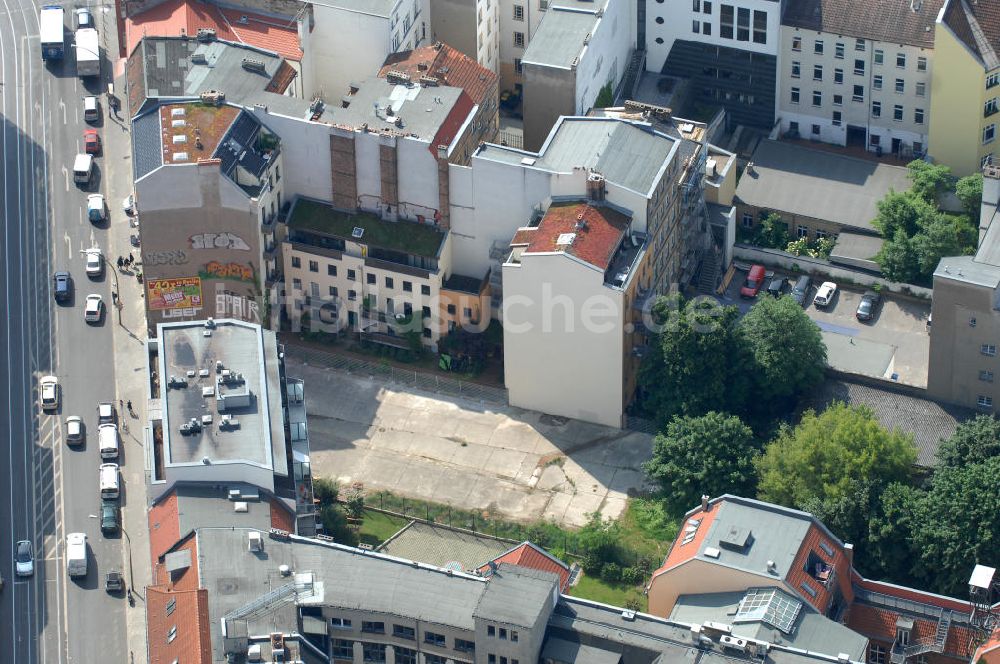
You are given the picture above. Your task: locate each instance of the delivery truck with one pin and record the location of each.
(76, 554)
(88, 53)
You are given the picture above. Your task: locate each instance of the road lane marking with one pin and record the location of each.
(62, 107)
(65, 173)
(69, 246)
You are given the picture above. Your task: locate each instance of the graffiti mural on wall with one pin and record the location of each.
(231, 271)
(218, 241)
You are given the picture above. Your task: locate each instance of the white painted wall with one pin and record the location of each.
(367, 170)
(605, 58)
(345, 46)
(160, 189)
(302, 143)
(417, 173)
(554, 362)
(677, 19)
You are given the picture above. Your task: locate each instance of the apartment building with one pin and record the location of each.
(578, 49)
(965, 313)
(471, 26)
(208, 176)
(766, 571)
(519, 19)
(966, 86)
(858, 73)
(727, 50)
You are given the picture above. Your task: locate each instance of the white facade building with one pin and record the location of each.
(471, 26)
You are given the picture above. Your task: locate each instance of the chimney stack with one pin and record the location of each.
(704, 502)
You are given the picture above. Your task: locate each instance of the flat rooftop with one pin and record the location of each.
(250, 394)
(440, 546)
(403, 236)
(193, 130)
(794, 180)
(561, 36)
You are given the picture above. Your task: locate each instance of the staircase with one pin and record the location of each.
(708, 277)
(900, 654)
(626, 89)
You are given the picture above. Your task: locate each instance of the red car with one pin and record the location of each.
(754, 282)
(91, 141)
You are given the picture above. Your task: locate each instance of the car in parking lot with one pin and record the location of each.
(24, 556)
(62, 286)
(776, 287)
(800, 291)
(91, 109)
(106, 413)
(74, 430)
(95, 263)
(754, 282)
(50, 392)
(97, 210)
(91, 141)
(825, 294)
(94, 309)
(109, 516)
(867, 306)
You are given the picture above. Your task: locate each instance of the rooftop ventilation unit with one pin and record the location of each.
(206, 34)
(250, 64)
(255, 543)
(565, 238)
(213, 97)
(357, 232)
(244, 19)
(199, 59)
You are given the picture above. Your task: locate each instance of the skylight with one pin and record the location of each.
(769, 605)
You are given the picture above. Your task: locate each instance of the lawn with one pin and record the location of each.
(598, 590)
(378, 527)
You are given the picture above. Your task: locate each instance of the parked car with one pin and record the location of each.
(24, 555)
(800, 291)
(754, 282)
(97, 210)
(91, 141)
(94, 309)
(114, 582)
(50, 392)
(106, 413)
(75, 434)
(777, 286)
(109, 516)
(91, 109)
(825, 294)
(95, 262)
(868, 305)
(62, 286)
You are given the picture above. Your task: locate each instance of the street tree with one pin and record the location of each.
(710, 454)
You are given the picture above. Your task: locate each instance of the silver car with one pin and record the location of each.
(24, 558)
(74, 430)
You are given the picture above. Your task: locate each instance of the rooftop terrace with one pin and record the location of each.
(189, 132)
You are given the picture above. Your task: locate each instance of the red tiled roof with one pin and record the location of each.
(989, 652)
(529, 555)
(977, 24)
(681, 553)
(174, 18)
(281, 517)
(875, 623)
(595, 243)
(452, 124)
(164, 526)
(450, 66)
(189, 617)
(798, 574)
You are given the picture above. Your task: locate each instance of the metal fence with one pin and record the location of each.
(430, 382)
(511, 139)
(640, 425)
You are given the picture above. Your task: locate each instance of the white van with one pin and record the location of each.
(109, 481)
(83, 166)
(76, 554)
(107, 437)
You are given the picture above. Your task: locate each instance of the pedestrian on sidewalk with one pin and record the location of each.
(121, 262)
(129, 406)
(131, 259)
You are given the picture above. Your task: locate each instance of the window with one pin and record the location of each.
(876, 654)
(332, 291)
(817, 72)
(518, 67)
(519, 39)
(314, 266)
(796, 43)
(990, 107)
(901, 60)
(403, 632)
(747, 220)
(706, 28)
(818, 47)
(503, 630)
(424, 288)
(352, 275)
(759, 27)
(838, 51)
(921, 89)
(918, 117)
(989, 133)
(802, 231)
(696, 5)
(990, 350)
(879, 56)
(296, 284)
(992, 80)
(427, 332)
(314, 289)
(795, 95)
(838, 75)
(331, 270)
(352, 295)
(859, 67)
(372, 627)
(171, 606)
(921, 63)
(706, 7)
(815, 130)
(405, 655)
(343, 649)
(986, 376)
(796, 69)
(838, 100)
(859, 93)
(982, 402)
(877, 81)
(742, 24)
(817, 98)
(875, 140)
(461, 645)
(696, 27)
(513, 637)
(972, 322)
(491, 659)
(897, 113)
(518, 12)
(859, 44)
(408, 287)
(467, 313)
(876, 109)
(430, 658)
(900, 86)
(172, 634)
(373, 653)
(986, 161)
(370, 278)
(543, 5)
(435, 639)
(726, 21)
(837, 118)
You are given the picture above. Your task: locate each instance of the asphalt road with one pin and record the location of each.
(52, 489)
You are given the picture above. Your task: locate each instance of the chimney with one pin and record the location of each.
(915, 5)
(704, 502)
(849, 552)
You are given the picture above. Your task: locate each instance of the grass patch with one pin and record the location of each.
(378, 527)
(598, 590)
(648, 527)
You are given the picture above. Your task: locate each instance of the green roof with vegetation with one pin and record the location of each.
(405, 236)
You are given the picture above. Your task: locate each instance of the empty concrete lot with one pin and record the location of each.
(524, 465)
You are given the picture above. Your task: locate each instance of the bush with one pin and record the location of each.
(611, 572)
(326, 491)
(633, 576)
(592, 563)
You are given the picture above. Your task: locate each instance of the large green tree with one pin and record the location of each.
(929, 180)
(823, 457)
(786, 350)
(970, 191)
(974, 441)
(902, 211)
(697, 363)
(711, 454)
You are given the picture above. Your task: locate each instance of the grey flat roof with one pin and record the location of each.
(629, 154)
(571, 652)
(240, 347)
(422, 109)
(204, 506)
(928, 421)
(718, 214)
(967, 269)
(811, 630)
(560, 37)
(857, 249)
(515, 595)
(796, 180)
(989, 246)
(443, 547)
(374, 7)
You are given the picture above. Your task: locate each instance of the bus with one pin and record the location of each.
(51, 32)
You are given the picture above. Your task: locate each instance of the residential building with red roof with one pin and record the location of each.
(532, 556)
(761, 567)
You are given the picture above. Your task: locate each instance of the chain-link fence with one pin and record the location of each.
(384, 371)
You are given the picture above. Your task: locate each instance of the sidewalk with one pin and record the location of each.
(127, 321)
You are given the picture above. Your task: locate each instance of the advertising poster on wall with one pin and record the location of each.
(178, 293)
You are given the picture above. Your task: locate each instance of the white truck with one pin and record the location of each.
(88, 52)
(76, 554)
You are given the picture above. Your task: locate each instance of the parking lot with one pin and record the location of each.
(521, 464)
(894, 345)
